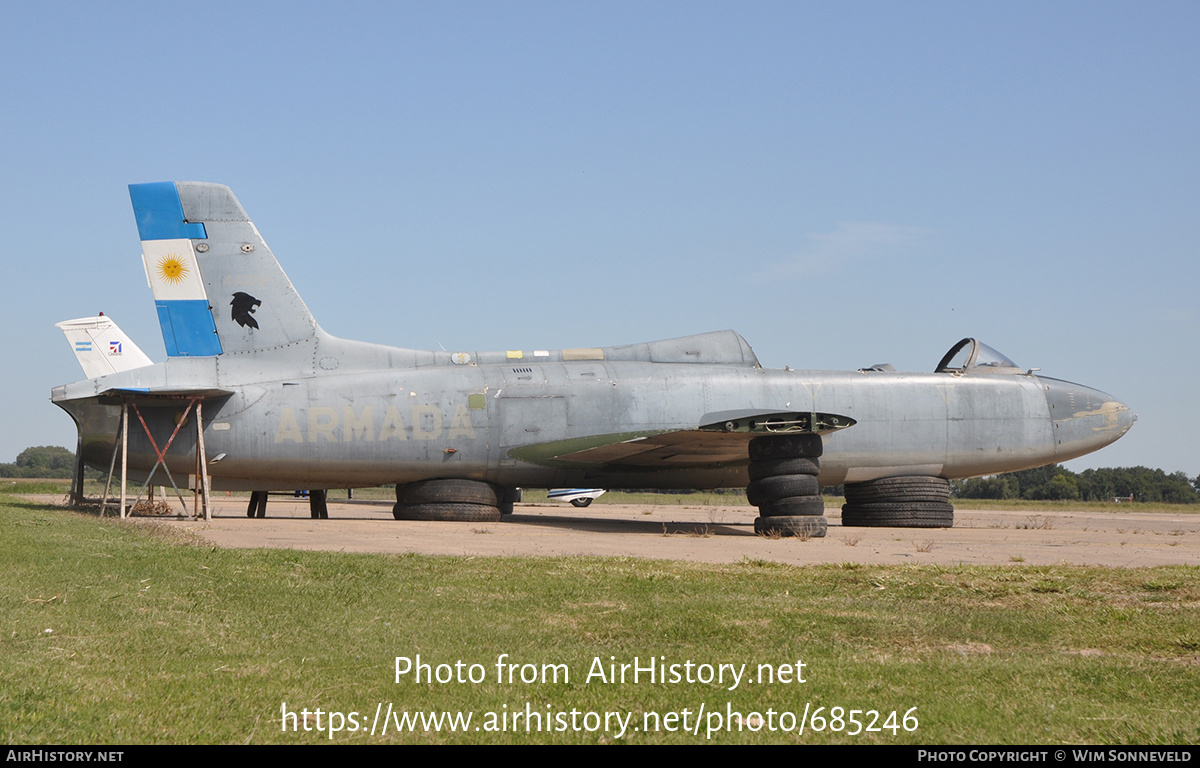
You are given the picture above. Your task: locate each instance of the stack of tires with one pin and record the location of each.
(899, 502)
(454, 500)
(783, 485)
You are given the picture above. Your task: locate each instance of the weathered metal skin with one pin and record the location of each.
(289, 406)
(375, 427)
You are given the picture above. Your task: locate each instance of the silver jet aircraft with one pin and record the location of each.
(285, 405)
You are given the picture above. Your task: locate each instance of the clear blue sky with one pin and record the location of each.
(842, 183)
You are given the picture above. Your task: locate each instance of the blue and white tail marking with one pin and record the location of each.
(101, 347)
(173, 271)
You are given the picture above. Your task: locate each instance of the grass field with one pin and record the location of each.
(121, 633)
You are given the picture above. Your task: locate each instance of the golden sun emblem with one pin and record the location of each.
(172, 269)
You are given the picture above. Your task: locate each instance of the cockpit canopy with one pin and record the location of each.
(971, 356)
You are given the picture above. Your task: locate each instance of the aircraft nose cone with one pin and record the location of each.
(1126, 419)
(1084, 419)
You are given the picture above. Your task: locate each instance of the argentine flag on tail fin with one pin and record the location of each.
(173, 271)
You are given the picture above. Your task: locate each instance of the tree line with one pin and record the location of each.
(1057, 483)
(46, 462)
(41, 461)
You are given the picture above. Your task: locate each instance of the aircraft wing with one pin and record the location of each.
(721, 438)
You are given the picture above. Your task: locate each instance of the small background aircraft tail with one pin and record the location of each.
(217, 287)
(101, 347)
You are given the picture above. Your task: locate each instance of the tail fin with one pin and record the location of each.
(217, 286)
(101, 347)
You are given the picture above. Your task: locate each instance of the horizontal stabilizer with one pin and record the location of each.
(166, 393)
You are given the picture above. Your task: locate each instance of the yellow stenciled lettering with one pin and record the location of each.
(393, 425)
(461, 426)
(423, 415)
(358, 428)
(322, 420)
(289, 428)
(323, 423)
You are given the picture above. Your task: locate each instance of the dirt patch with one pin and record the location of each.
(714, 534)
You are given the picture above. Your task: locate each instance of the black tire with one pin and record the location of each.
(508, 497)
(450, 491)
(898, 515)
(447, 512)
(801, 445)
(772, 467)
(771, 489)
(898, 489)
(581, 502)
(804, 527)
(898, 498)
(887, 507)
(794, 506)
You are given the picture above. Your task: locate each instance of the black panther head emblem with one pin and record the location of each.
(243, 309)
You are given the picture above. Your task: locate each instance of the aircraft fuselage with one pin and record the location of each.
(512, 423)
